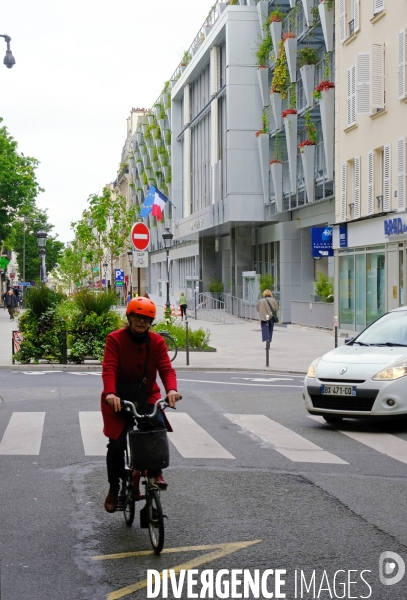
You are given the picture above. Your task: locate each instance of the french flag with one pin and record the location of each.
(154, 203)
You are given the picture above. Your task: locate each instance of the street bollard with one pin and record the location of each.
(187, 340)
(336, 331)
(268, 353)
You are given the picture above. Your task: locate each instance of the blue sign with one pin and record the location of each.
(119, 275)
(394, 226)
(343, 235)
(321, 241)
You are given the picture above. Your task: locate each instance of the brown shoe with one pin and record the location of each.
(159, 479)
(111, 499)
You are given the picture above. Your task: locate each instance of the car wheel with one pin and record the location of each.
(332, 418)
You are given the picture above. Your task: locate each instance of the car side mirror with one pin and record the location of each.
(349, 340)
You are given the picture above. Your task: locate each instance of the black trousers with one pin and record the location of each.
(183, 310)
(116, 448)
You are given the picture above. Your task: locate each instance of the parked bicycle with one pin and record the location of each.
(146, 451)
(171, 344)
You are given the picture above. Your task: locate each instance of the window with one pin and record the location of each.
(348, 18)
(356, 187)
(370, 80)
(351, 97)
(401, 173)
(401, 71)
(378, 6)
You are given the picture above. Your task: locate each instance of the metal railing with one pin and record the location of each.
(206, 305)
(240, 308)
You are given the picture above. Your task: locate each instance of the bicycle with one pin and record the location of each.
(146, 450)
(172, 347)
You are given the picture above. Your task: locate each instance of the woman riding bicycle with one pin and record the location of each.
(133, 355)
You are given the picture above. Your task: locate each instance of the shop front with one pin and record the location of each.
(370, 269)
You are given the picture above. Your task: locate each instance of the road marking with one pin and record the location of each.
(286, 442)
(23, 434)
(219, 551)
(192, 441)
(94, 441)
(264, 379)
(249, 384)
(84, 374)
(385, 443)
(39, 372)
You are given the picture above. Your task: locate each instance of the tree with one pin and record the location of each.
(18, 183)
(30, 220)
(71, 266)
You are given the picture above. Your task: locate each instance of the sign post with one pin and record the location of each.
(140, 238)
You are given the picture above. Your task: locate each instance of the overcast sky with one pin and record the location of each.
(81, 65)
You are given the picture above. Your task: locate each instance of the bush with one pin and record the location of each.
(324, 287)
(89, 333)
(99, 303)
(266, 282)
(307, 56)
(198, 338)
(40, 299)
(215, 287)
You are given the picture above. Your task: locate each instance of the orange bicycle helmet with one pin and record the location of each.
(141, 306)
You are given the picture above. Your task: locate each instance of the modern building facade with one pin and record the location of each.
(208, 143)
(370, 237)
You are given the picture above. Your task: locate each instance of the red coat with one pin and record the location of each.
(124, 361)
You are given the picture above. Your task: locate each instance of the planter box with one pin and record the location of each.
(327, 106)
(139, 137)
(292, 3)
(166, 170)
(150, 119)
(168, 113)
(327, 23)
(276, 170)
(221, 7)
(276, 103)
(275, 32)
(290, 47)
(290, 126)
(307, 6)
(264, 156)
(161, 123)
(207, 29)
(263, 77)
(308, 165)
(308, 83)
(263, 12)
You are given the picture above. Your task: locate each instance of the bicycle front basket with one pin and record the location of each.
(149, 450)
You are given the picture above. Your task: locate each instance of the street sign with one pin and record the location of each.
(140, 236)
(118, 283)
(140, 259)
(118, 276)
(12, 275)
(24, 284)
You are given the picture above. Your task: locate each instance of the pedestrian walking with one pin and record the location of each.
(183, 306)
(267, 308)
(11, 302)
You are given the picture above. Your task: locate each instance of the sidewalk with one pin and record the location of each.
(238, 347)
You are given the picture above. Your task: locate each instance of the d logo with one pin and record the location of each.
(388, 573)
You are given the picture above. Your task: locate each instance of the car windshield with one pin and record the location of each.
(389, 330)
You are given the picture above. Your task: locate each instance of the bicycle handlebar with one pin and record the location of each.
(160, 404)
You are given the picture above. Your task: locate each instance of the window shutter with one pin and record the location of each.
(377, 75)
(401, 73)
(356, 187)
(351, 100)
(378, 6)
(401, 173)
(355, 15)
(386, 176)
(342, 20)
(370, 183)
(363, 84)
(214, 69)
(343, 191)
(187, 104)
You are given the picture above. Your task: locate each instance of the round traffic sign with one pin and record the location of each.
(140, 236)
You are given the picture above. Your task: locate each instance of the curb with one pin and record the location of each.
(98, 367)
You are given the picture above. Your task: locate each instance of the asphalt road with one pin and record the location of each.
(254, 484)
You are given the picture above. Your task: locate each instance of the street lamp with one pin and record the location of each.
(41, 241)
(167, 237)
(130, 256)
(9, 59)
(105, 265)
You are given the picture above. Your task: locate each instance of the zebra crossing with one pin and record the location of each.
(25, 431)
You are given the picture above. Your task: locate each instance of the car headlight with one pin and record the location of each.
(312, 369)
(394, 371)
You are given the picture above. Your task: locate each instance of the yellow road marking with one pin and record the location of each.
(219, 551)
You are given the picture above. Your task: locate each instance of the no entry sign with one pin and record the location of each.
(140, 236)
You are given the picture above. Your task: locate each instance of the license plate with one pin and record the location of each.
(338, 390)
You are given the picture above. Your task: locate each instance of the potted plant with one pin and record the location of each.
(307, 59)
(279, 84)
(290, 118)
(326, 10)
(264, 152)
(276, 169)
(185, 60)
(290, 48)
(325, 93)
(263, 11)
(276, 17)
(307, 151)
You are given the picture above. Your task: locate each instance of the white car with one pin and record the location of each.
(364, 378)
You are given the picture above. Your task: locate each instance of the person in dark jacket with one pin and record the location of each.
(133, 356)
(11, 302)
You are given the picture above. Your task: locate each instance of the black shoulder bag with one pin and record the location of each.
(273, 312)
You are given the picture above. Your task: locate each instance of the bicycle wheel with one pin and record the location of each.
(171, 344)
(155, 521)
(129, 505)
